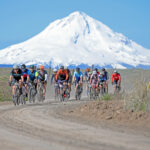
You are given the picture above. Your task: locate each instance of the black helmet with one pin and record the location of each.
(23, 66)
(96, 69)
(103, 69)
(61, 67)
(77, 69)
(32, 67)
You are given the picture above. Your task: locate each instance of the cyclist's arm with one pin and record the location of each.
(119, 79)
(112, 79)
(81, 77)
(10, 78)
(46, 77)
(52, 77)
(67, 76)
(22, 78)
(57, 75)
(91, 79)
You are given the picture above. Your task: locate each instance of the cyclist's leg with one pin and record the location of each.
(13, 90)
(115, 85)
(44, 88)
(106, 86)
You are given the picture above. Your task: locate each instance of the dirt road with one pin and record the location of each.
(42, 127)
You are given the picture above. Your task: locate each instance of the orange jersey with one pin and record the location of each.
(62, 75)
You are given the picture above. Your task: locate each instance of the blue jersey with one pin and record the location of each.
(102, 78)
(32, 75)
(86, 74)
(78, 76)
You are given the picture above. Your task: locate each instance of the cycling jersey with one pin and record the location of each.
(116, 77)
(78, 76)
(102, 78)
(42, 76)
(25, 74)
(32, 75)
(16, 76)
(106, 75)
(94, 78)
(87, 75)
(62, 75)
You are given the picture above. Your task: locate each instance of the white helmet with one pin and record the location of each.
(115, 71)
(94, 72)
(55, 70)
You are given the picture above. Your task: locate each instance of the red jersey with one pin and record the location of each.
(115, 77)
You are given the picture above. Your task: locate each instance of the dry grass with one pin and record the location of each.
(5, 90)
(139, 98)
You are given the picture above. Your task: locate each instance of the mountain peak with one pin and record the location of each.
(78, 13)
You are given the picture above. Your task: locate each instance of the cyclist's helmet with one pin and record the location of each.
(96, 69)
(62, 67)
(103, 69)
(94, 72)
(41, 67)
(55, 70)
(23, 66)
(78, 69)
(115, 71)
(88, 69)
(15, 67)
(32, 67)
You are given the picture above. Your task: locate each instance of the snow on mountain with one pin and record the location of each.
(74, 40)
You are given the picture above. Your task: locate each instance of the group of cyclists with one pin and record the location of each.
(24, 76)
(92, 78)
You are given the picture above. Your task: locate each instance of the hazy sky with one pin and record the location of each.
(22, 19)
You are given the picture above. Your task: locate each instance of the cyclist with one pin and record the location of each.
(106, 75)
(102, 80)
(87, 76)
(16, 76)
(96, 69)
(42, 77)
(33, 76)
(94, 80)
(116, 79)
(62, 76)
(53, 76)
(78, 78)
(69, 81)
(25, 73)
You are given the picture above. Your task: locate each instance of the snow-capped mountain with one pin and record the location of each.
(74, 40)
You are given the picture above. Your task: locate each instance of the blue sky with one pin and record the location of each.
(22, 19)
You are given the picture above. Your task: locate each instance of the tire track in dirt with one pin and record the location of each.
(40, 122)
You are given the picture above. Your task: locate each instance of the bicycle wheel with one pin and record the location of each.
(33, 94)
(29, 94)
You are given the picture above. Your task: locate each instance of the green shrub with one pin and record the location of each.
(106, 97)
